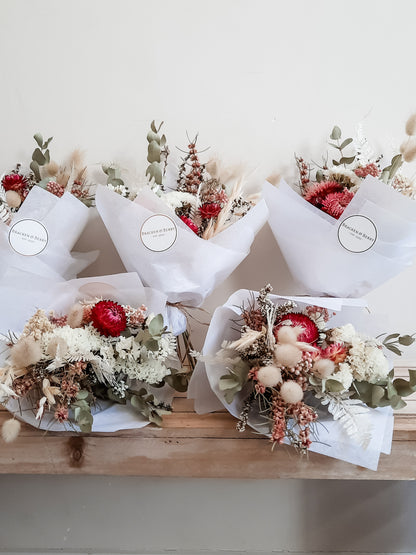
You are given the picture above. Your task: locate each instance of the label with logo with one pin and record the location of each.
(357, 233)
(28, 237)
(158, 233)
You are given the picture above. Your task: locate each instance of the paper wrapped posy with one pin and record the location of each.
(83, 350)
(166, 254)
(228, 375)
(374, 239)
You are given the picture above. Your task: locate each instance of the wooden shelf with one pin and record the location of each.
(190, 445)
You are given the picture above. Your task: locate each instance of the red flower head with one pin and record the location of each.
(108, 318)
(209, 210)
(335, 203)
(310, 332)
(15, 182)
(318, 192)
(190, 224)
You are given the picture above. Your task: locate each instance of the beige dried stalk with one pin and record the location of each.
(221, 222)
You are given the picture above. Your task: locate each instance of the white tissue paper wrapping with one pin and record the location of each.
(308, 239)
(64, 219)
(121, 288)
(192, 267)
(333, 441)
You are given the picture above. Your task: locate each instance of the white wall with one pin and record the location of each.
(259, 81)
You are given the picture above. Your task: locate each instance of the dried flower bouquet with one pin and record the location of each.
(303, 374)
(97, 362)
(357, 212)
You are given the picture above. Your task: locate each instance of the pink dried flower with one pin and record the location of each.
(335, 203)
(55, 188)
(316, 312)
(61, 413)
(316, 193)
(58, 321)
(369, 169)
(335, 352)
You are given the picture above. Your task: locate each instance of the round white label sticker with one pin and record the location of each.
(28, 237)
(357, 233)
(158, 233)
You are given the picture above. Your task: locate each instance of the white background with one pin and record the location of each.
(259, 81)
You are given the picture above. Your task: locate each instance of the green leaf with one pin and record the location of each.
(333, 386)
(335, 163)
(38, 157)
(153, 152)
(82, 395)
(403, 388)
(392, 336)
(85, 420)
(151, 136)
(347, 160)
(39, 139)
(376, 395)
(46, 143)
(35, 169)
(345, 143)
(335, 146)
(406, 340)
(336, 133)
(153, 126)
(137, 402)
(115, 181)
(155, 418)
(163, 140)
(228, 382)
(152, 345)
(393, 349)
(156, 326)
(412, 377)
(154, 171)
(47, 156)
(397, 403)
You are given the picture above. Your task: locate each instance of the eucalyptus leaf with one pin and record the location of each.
(406, 340)
(39, 139)
(34, 166)
(333, 386)
(38, 157)
(392, 336)
(82, 395)
(153, 126)
(156, 326)
(345, 143)
(47, 156)
(152, 136)
(376, 395)
(320, 176)
(393, 349)
(347, 160)
(153, 152)
(336, 133)
(335, 163)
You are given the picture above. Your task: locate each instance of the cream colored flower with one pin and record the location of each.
(50, 391)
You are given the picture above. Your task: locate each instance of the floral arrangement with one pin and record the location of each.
(206, 197)
(64, 366)
(288, 364)
(44, 172)
(332, 186)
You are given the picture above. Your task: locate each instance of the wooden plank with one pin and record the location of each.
(196, 446)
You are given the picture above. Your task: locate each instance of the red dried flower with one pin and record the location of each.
(15, 182)
(310, 332)
(317, 192)
(209, 210)
(108, 318)
(61, 413)
(369, 169)
(190, 224)
(335, 203)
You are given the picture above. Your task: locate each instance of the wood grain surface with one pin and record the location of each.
(192, 445)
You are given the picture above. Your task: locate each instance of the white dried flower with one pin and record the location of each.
(343, 334)
(10, 430)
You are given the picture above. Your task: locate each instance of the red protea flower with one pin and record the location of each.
(15, 182)
(108, 318)
(369, 169)
(335, 203)
(209, 210)
(190, 224)
(317, 192)
(335, 352)
(310, 332)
